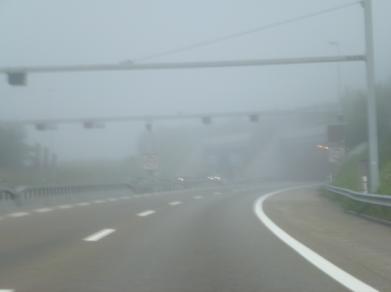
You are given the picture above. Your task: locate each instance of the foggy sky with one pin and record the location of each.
(49, 32)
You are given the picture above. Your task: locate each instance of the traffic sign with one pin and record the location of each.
(151, 162)
(17, 78)
(336, 154)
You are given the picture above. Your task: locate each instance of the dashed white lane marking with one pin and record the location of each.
(43, 210)
(112, 199)
(198, 197)
(99, 235)
(65, 207)
(317, 260)
(125, 197)
(82, 204)
(137, 196)
(175, 203)
(146, 213)
(99, 201)
(217, 193)
(18, 214)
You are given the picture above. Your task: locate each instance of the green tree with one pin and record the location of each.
(355, 113)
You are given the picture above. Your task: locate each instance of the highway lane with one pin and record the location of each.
(209, 241)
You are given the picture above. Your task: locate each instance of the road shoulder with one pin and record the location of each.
(357, 245)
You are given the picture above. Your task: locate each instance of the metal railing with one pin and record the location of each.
(373, 199)
(20, 194)
(7, 194)
(27, 193)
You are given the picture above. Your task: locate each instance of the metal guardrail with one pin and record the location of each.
(8, 194)
(20, 194)
(373, 199)
(27, 193)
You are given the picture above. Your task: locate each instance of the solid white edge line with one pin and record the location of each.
(317, 260)
(146, 213)
(99, 235)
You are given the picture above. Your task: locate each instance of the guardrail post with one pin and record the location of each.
(364, 184)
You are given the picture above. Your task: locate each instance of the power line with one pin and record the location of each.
(245, 32)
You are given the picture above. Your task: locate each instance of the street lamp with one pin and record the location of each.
(207, 120)
(41, 126)
(254, 118)
(91, 124)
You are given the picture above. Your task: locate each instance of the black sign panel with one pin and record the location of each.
(17, 78)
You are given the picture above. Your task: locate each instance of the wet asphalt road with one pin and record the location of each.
(201, 240)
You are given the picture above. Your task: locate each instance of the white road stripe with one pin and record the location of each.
(317, 260)
(112, 199)
(18, 214)
(7, 290)
(217, 193)
(198, 197)
(125, 197)
(175, 203)
(64, 206)
(99, 235)
(82, 204)
(99, 201)
(43, 210)
(146, 213)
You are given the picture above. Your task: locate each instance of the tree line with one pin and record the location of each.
(355, 116)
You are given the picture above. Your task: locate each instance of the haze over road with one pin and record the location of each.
(200, 240)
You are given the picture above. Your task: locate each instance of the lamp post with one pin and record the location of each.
(372, 116)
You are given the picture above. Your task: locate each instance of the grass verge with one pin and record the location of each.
(385, 179)
(360, 208)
